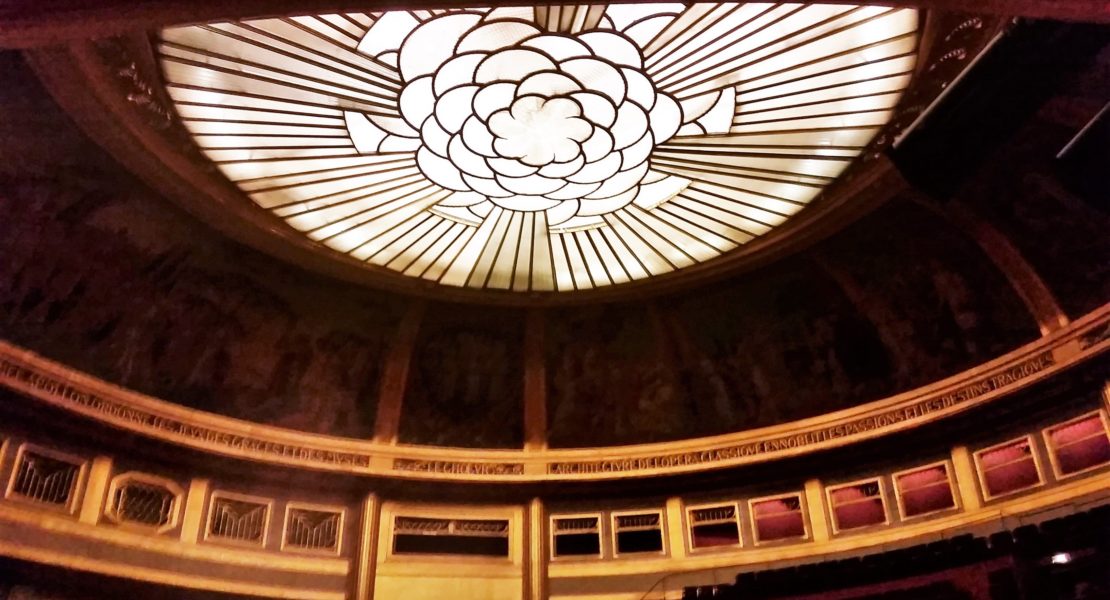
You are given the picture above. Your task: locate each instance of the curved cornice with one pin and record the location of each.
(30, 23)
(79, 393)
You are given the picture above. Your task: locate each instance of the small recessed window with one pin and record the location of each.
(576, 536)
(309, 529)
(778, 519)
(46, 477)
(714, 526)
(144, 501)
(1008, 468)
(1079, 445)
(925, 490)
(857, 505)
(638, 533)
(467, 537)
(241, 519)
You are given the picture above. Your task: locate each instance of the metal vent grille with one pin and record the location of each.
(313, 529)
(482, 527)
(144, 504)
(638, 521)
(239, 520)
(424, 526)
(576, 524)
(45, 479)
(713, 514)
(463, 527)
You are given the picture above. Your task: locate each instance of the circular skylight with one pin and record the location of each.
(551, 148)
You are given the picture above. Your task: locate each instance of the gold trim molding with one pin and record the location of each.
(60, 386)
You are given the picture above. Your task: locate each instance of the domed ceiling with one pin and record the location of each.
(540, 149)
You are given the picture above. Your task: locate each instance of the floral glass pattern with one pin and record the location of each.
(540, 148)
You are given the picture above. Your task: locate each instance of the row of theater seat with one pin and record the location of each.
(1083, 532)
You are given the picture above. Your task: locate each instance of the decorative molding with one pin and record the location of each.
(142, 419)
(958, 38)
(138, 87)
(456, 467)
(60, 386)
(1095, 336)
(30, 23)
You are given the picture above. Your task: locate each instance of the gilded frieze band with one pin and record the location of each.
(58, 385)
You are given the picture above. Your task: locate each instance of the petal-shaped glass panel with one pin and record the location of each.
(553, 148)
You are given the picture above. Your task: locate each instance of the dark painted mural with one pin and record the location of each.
(933, 296)
(1057, 210)
(125, 288)
(610, 380)
(895, 302)
(782, 346)
(466, 379)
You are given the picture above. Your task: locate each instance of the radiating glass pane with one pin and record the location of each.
(550, 148)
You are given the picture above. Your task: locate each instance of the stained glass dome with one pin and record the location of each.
(540, 149)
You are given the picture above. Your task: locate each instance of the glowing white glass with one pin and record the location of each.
(549, 148)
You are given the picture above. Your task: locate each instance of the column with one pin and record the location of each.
(1032, 290)
(676, 529)
(818, 515)
(535, 555)
(96, 490)
(395, 375)
(535, 383)
(192, 522)
(966, 479)
(367, 547)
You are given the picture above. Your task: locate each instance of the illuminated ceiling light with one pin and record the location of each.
(547, 148)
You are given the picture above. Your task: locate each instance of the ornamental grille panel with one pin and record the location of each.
(423, 526)
(468, 527)
(493, 528)
(582, 524)
(45, 479)
(144, 503)
(313, 529)
(467, 537)
(637, 521)
(713, 514)
(239, 520)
